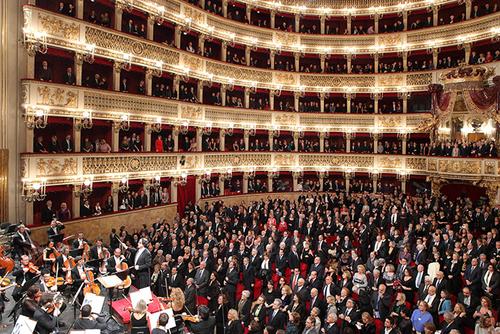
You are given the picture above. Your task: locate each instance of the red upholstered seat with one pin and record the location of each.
(239, 289)
(257, 288)
(379, 326)
(202, 300)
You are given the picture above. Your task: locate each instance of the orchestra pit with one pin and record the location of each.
(250, 166)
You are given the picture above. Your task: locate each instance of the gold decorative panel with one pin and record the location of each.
(57, 97)
(126, 164)
(418, 164)
(337, 80)
(56, 167)
(55, 26)
(191, 112)
(390, 162)
(239, 72)
(336, 161)
(460, 166)
(285, 160)
(237, 160)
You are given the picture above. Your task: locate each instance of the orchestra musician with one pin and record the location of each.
(88, 320)
(30, 303)
(206, 323)
(97, 252)
(55, 228)
(44, 282)
(79, 242)
(21, 241)
(47, 315)
(79, 276)
(62, 263)
(47, 258)
(23, 275)
(162, 325)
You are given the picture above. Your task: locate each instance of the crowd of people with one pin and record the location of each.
(454, 148)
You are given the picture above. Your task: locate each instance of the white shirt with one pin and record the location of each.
(138, 254)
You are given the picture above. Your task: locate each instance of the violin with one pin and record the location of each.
(192, 318)
(32, 268)
(53, 281)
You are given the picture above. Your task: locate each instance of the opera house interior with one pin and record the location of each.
(250, 166)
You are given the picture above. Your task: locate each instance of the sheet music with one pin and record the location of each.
(141, 294)
(110, 281)
(153, 319)
(24, 325)
(96, 302)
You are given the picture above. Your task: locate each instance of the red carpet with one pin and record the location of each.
(120, 308)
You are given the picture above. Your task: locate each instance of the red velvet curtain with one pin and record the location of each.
(484, 99)
(186, 194)
(452, 191)
(440, 99)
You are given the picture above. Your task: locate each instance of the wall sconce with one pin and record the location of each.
(277, 90)
(155, 127)
(35, 41)
(403, 93)
(206, 177)
(230, 85)
(158, 18)
(402, 175)
(274, 132)
(88, 53)
(349, 134)
(207, 129)
(157, 68)
(229, 131)
(86, 188)
(227, 175)
(181, 180)
(348, 173)
(85, 122)
(300, 132)
(251, 130)
(184, 128)
(322, 173)
(124, 123)
(253, 87)
(298, 173)
(376, 94)
(126, 64)
(402, 134)
(154, 184)
(250, 174)
(123, 187)
(274, 174)
(35, 191)
(374, 174)
(349, 93)
(326, 133)
(36, 120)
(127, 5)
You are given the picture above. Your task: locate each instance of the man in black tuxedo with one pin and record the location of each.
(176, 279)
(315, 301)
(86, 321)
(48, 213)
(277, 319)
(440, 282)
(470, 301)
(381, 303)
(141, 265)
(55, 229)
(449, 323)
(205, 325)
(281, 262)
(472, 277)
(190, 295)
(46, 322)
(331, 324)
(247, 271)
(389, 326)
(350, 315)
(21, 240)
(230, 282)
(201, 279)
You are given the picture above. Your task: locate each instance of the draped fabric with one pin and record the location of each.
(186, 194)
(486, 100)
(442, 102)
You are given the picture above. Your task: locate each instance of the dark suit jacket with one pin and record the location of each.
(448, 327)
(46, 323)
(474, 276)
(202, 281)
(244, 311)
(190, 297)
(384, 304)
(234, 327)
(278, 321)
(248, 277)
(202, 327)
(333, 329)
(84, 323)
(142, 275)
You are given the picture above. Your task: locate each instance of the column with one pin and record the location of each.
(246, 139)
(245, 183)
(468, 9)
(435, 55)
(349, 63)
(201, 44)
(375, 103)
(177, 36)
(273, 19)
(118, 16)
(149, 82)
(223, 94)
(467, 49)
(202, 4)
(296, 96)
(224, 8)
(176, 84)
(405, 61)
(297, 22)
(322, 24)
(222, 139)
(347, 182)
(173, 190)
(405, 103)
(146, 184)
(322, 58)
(221, 185)
(405, 20)
(175, 137)
(271, 99)
(199, 139)
(272, 53)
(77, 135)
(79, 9)
(348, 103)
(147, 137)
(404, 138)
(247, 55)
(78, 68)
(376, 19)
(151, 28)
(269, 183)
(295, 177)
(296, 56)
(116, 75)
(349, 25)
(115, 140)
(322, 102)
(403, 183)
(30, 139)
(321, 142)
(435, 16)
(223, 51)
(375, 137)
(321, 177)
(247, 98)
(199, 90)
(76, 200)
(115, 190)
(374, 183)
(271, 140)
(375, 62)
(296, 141)
(249, 13)
(30, 68)
(198, 188)
(348, 137)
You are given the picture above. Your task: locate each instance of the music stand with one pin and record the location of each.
(76, 253)
(110, 282)
(56, 238)
(12, 228)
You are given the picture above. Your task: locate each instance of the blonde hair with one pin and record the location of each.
(233, 313)
(178, 300)
(287, 289)
(141, 307)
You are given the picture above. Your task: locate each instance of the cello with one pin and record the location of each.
(127, 282)
(5, 261)
(91, 286)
